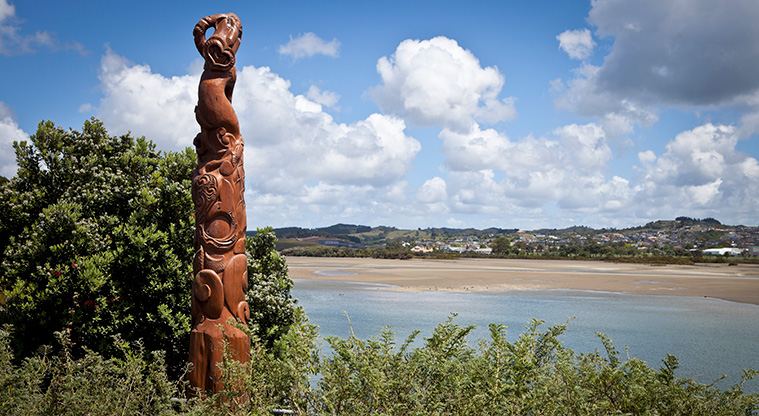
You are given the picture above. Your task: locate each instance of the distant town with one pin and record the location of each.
(681, 237)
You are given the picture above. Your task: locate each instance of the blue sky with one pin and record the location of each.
(506, 114)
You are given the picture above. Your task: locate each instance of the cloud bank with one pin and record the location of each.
(298, 160)
(305, 168)
(669, 53)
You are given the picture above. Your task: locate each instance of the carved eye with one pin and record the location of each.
(219, 227)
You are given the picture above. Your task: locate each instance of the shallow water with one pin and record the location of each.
(710, 337)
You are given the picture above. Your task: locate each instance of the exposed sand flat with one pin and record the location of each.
(734, 283)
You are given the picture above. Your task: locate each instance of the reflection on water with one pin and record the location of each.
(710, 337)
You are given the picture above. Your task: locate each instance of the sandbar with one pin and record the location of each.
(736, 283)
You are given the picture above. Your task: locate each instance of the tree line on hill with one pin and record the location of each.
(352, 232)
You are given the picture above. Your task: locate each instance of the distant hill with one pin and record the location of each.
(575, 229)
(679, 222)
(365, 235)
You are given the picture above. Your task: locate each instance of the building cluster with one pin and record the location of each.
(456, 245)
(734, 240)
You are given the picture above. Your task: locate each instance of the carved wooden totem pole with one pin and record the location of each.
(218, 185)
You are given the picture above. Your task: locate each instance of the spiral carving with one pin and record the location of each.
(204, 193)
(219, 51)
(209, 291)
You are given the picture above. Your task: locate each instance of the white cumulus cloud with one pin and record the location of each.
(309, 44)
(567, 168)
(579, 147)
(578, 44)
(436, 82)
(567, 174)
(291, 129)
(433, 190)
(146, 103)
(701, 172)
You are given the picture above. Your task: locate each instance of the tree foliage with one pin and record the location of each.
(501, 245)
(97, 241)
(272, 307)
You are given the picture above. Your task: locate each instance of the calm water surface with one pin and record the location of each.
(710, 337)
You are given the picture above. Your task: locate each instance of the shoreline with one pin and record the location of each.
(732, 283)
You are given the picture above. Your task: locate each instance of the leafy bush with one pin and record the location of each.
(47, 384)
(272, 307)
(97, 241)
(534, 375)
(134, 382)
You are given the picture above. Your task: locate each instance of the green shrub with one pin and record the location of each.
(272, 307)
(533, 375)
(97, 241)
(45, 384)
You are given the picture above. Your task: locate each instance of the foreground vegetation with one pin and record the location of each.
(532, 375)
(95, 248)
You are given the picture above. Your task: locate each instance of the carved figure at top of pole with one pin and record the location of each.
(217, 82)
(219, 51)
(218, 188)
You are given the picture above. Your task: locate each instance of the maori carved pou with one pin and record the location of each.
(218, 185)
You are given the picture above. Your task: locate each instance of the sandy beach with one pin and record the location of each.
(738, 283)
